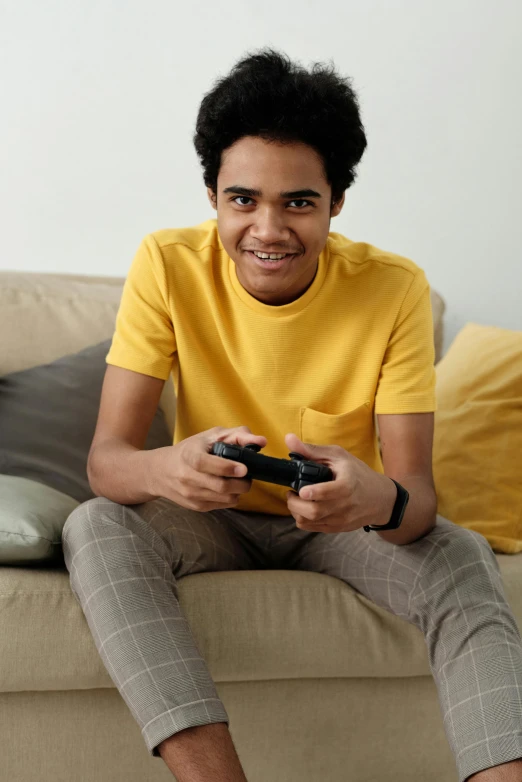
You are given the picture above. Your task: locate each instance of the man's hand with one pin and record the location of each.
(357, 496)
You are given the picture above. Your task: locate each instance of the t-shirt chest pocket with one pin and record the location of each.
(353, 430)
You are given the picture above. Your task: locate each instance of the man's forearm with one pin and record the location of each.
(420, 514)
(118, 471)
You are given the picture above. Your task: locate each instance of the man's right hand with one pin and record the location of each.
(190, 476)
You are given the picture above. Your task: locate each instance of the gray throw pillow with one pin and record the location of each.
(32, 517)
(48, 416)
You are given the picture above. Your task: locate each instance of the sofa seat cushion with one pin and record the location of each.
(249, 625)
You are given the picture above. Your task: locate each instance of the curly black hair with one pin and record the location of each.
(267, 95)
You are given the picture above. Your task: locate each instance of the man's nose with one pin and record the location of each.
(271, 227)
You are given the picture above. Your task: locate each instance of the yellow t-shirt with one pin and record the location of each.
(359, 341)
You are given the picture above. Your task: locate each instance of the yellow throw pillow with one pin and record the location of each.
(477, 449)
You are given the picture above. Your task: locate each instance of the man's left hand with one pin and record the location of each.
(356, 496)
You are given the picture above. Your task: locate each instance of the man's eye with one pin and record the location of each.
(302, 201)
(296, 201)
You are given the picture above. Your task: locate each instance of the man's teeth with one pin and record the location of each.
(271, 256)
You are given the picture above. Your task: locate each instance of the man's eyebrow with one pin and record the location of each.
(249, 191)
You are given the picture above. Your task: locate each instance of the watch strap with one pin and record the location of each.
(397, 513)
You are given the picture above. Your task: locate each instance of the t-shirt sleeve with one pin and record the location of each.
(407, 378)
(144, 339)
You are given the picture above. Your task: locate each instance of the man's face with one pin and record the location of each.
(269, 222)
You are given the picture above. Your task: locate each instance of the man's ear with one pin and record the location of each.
(336, 208)
(212, 198)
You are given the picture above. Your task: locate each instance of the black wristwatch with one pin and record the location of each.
(397, 512)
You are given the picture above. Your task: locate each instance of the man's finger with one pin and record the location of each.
(319, 491)
(311, 512)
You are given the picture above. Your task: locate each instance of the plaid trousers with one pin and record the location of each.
(124, 560)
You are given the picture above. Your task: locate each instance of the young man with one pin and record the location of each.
(282, 333)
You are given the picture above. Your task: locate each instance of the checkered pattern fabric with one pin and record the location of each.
(124, 563)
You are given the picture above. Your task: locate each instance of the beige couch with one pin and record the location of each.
(319, 683)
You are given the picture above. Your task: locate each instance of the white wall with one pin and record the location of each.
(99, 102)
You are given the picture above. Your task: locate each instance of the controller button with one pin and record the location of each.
(309, 469)
(253, 447)
(232, 451)
(294, 455)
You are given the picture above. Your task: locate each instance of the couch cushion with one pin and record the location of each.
(48, 416)
(32, 517)
(249, 625)
(52, 315)
(48, 316)
(477, 448)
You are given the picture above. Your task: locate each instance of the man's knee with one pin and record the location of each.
(461, 546)
(460, 556)
(80, 524)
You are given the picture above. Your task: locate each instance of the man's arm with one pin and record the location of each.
(406, 445)
(117, 466)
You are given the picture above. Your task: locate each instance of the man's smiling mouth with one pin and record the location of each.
(269, 263)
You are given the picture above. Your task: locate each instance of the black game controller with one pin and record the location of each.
(296, 473)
